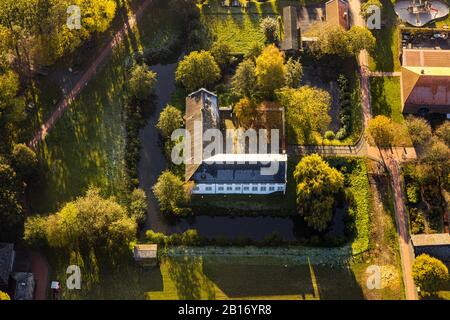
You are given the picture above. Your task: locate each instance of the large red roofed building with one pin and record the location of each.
(425, 81)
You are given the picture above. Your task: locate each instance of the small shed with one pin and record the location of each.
(436, 245)
(146, 254)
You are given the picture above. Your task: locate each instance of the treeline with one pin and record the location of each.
(35, 33)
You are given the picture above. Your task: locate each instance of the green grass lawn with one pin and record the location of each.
(86, 146)
(208, 277)
(385, 56)
(385, 93)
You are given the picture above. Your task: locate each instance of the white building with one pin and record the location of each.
(227, 173)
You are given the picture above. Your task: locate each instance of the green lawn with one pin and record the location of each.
(209, 277)
(385, 93)
(240, 31)
(386, 56)
(86, 146)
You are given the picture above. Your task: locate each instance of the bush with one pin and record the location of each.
(342, 133)
(329, 135)
(429, 273)
(412, 193)
(416, 220)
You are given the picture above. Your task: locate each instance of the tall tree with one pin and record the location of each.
(270, 70)
(334, 40)
(317, 186)
(246, 112)
(381, 130)
(419, 130)
(294, 73)
(138, 205)
(429, 273)
(196, 70)
(221, 52)
(90, 220)
(141, 82)
(170, 119)
(11, 210)
(269, 27)
(307, 111)
(244, 81)
(171, 193)
(443, 132)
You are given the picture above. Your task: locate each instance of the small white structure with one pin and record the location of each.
(146, 254)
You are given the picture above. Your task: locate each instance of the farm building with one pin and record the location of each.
(435, 245)
(425, 81)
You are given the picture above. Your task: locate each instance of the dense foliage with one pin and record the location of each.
(317, 186)
(429, 273)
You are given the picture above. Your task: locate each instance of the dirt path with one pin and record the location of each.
(401, 218)
(88, 74)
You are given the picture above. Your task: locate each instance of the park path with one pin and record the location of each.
(401, 218)
(88, 74)
(391, 159)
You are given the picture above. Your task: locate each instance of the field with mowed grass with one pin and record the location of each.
(87, 144)
(385, 56)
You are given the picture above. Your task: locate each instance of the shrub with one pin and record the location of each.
(329, 135)
(342, 133)
(412, 193)
(429, 273)
(270, 28)
(417, 221)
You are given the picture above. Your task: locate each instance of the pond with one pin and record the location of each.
(153, 162)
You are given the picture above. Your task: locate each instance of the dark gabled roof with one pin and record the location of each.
(199, 111)
(291, 39)
(426, 77)
(238, 173)
(6, 262)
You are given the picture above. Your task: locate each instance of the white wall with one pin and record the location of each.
(260, 188)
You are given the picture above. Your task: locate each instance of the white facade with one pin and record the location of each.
(234, 188)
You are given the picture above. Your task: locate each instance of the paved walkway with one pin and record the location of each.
(88, 74)
(385, 74)
(401, 218)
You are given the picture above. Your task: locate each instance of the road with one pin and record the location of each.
(391, 159)
(87, 75)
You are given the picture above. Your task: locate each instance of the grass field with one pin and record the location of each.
(86, 146)
(212, 277)
(385, 92)
(240, 31)
(386, 56)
